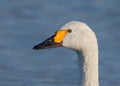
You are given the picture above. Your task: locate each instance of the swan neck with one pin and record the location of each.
(88, 63)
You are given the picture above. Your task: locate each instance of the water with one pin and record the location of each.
(24, 23)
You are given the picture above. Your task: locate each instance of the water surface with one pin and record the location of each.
(24, 23)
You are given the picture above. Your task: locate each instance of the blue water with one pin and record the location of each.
(24, 23)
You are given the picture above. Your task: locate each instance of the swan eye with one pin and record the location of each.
(69, 30)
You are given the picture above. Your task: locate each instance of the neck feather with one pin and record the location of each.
(88, 64)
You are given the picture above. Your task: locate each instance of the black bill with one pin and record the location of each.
(48, 43)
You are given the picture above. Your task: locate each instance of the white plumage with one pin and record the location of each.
(82, 40)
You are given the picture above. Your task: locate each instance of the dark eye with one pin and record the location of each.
(69, 30)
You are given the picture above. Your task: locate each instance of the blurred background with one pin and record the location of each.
(25, 23)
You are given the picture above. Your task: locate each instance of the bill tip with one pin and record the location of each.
(35, 48)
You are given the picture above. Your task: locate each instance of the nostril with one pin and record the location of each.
(48, 42)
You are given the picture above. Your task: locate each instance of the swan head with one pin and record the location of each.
(74, 35)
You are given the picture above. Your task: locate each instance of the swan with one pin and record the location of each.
(79, 37)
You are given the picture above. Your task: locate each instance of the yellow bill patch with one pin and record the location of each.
(60, 35)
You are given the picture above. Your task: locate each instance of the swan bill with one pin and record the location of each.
(54, 41)
(48, 43)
